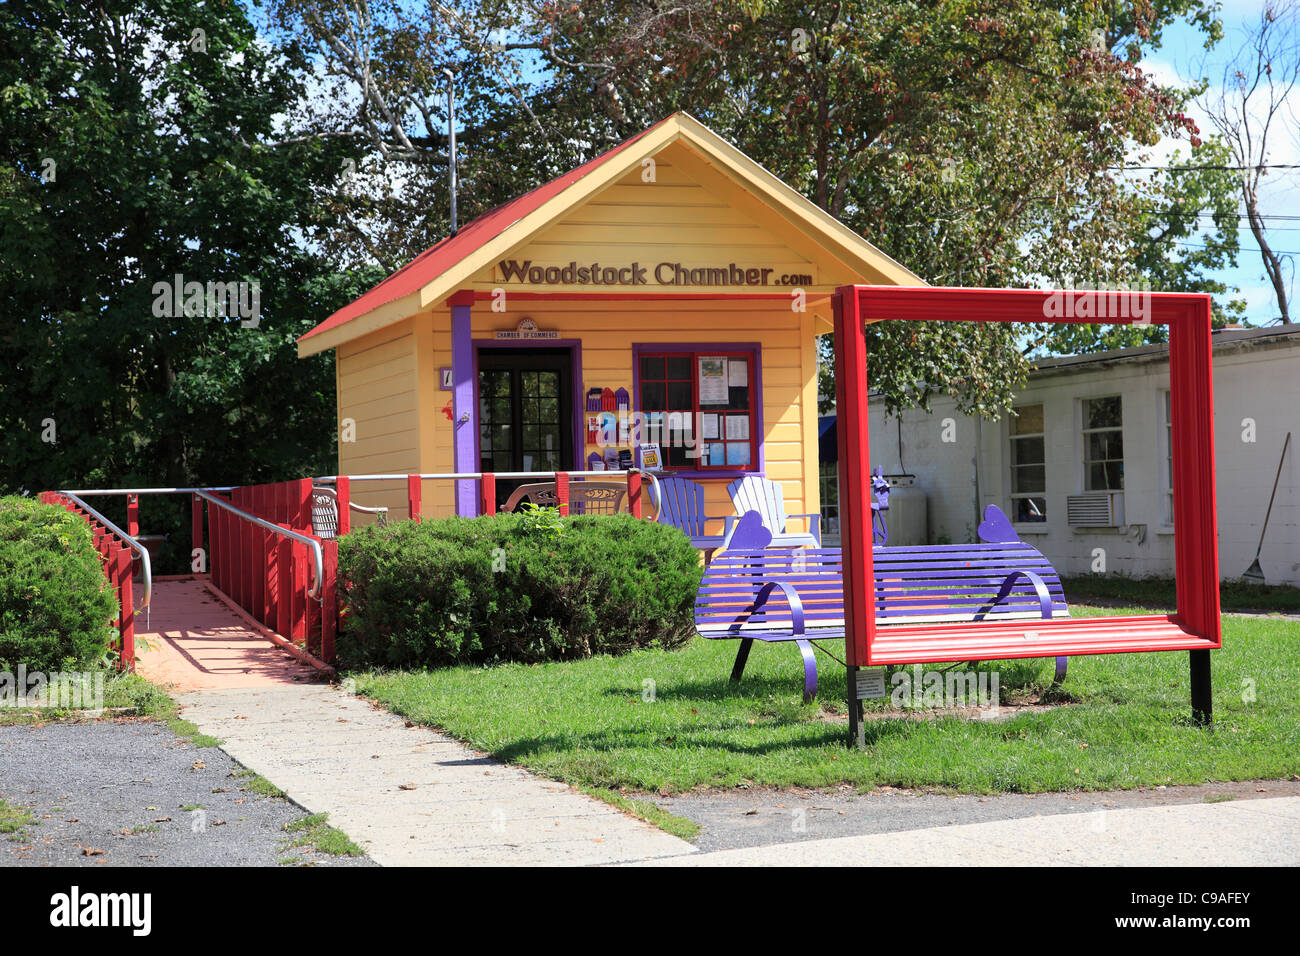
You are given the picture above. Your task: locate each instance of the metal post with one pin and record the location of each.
(1202, 704)
(562, 492)
(329, 609)
(413, 496)
(133, 522)
(451, 143)
(196, 532)
(634, 493)
(127, 597)
(343, 501)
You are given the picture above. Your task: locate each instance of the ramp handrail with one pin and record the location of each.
(146, 571)
(508, 475)
(318, 558)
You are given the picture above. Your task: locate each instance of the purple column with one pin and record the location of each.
(463, 408)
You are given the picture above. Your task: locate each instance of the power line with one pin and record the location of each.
(1193, 169)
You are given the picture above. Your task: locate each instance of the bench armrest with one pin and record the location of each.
(760, 599)
(1040, 590)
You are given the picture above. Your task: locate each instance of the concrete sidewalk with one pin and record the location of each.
(1264, 832)
(409, 795)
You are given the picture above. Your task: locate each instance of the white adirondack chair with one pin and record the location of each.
(755, 493)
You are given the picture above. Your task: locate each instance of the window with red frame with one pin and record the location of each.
(713, 431)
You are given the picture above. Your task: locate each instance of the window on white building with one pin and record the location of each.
(1103, 444)
(1028, 464)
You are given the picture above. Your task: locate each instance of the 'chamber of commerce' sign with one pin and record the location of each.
(527, 330)
(636, 273)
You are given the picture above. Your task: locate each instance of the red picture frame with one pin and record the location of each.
(1195, 625)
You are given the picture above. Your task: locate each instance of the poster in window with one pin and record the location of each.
(737, 373)
(713, 380)
(650, 459)
(738, 427)
(717, 453)
(709, 425)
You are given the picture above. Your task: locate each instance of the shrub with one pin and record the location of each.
(513, 587)
(55, 603)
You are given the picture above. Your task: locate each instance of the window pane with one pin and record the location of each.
(679, 396)
(1115, 475)
(738, 397)
(652, 395)
(1028, 420)
(1031, 509)
(678, 366)
(1102, 412)
(651, 367)
(1028, 478)
(1028, 451)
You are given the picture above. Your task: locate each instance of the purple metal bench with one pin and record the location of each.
(780, 595)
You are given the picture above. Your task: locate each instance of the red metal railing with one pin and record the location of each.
(117, 552)
(265, 558)
(635, 479)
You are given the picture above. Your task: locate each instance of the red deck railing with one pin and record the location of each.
(116, 551)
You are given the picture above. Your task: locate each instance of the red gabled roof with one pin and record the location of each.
(437, 259)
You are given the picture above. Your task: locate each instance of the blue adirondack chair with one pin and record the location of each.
(683, 508)
(755, 493)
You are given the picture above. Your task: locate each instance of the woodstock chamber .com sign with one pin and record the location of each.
(663, 273)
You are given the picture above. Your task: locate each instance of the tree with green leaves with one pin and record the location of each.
(979, 142)
(144, 148)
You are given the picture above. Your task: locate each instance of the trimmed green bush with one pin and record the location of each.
(55, 603)
(513, 587)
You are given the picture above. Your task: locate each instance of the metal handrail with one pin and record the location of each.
(472, 475)
(145, 491)
(146, 571)
(352, 505)
(314, 592)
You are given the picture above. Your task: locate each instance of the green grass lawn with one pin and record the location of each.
(668, 721)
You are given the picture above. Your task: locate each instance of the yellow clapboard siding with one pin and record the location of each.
(780, 377)
(663, 171)
(388, 444)
(401, 365)
(398, 422)
(641, 215)
(400, 386)
(647, 194)
(617, 237)
(376, 349)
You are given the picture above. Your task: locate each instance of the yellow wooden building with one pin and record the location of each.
(672, 273)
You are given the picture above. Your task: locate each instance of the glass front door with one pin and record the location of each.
(525, 413)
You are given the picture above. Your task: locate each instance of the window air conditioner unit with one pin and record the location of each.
(1096, 509)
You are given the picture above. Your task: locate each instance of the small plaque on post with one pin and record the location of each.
(871, 683)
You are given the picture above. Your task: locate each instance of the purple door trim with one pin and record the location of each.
(577, 411)
(464, 409)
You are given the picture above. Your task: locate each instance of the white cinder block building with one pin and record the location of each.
(1083, 468)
